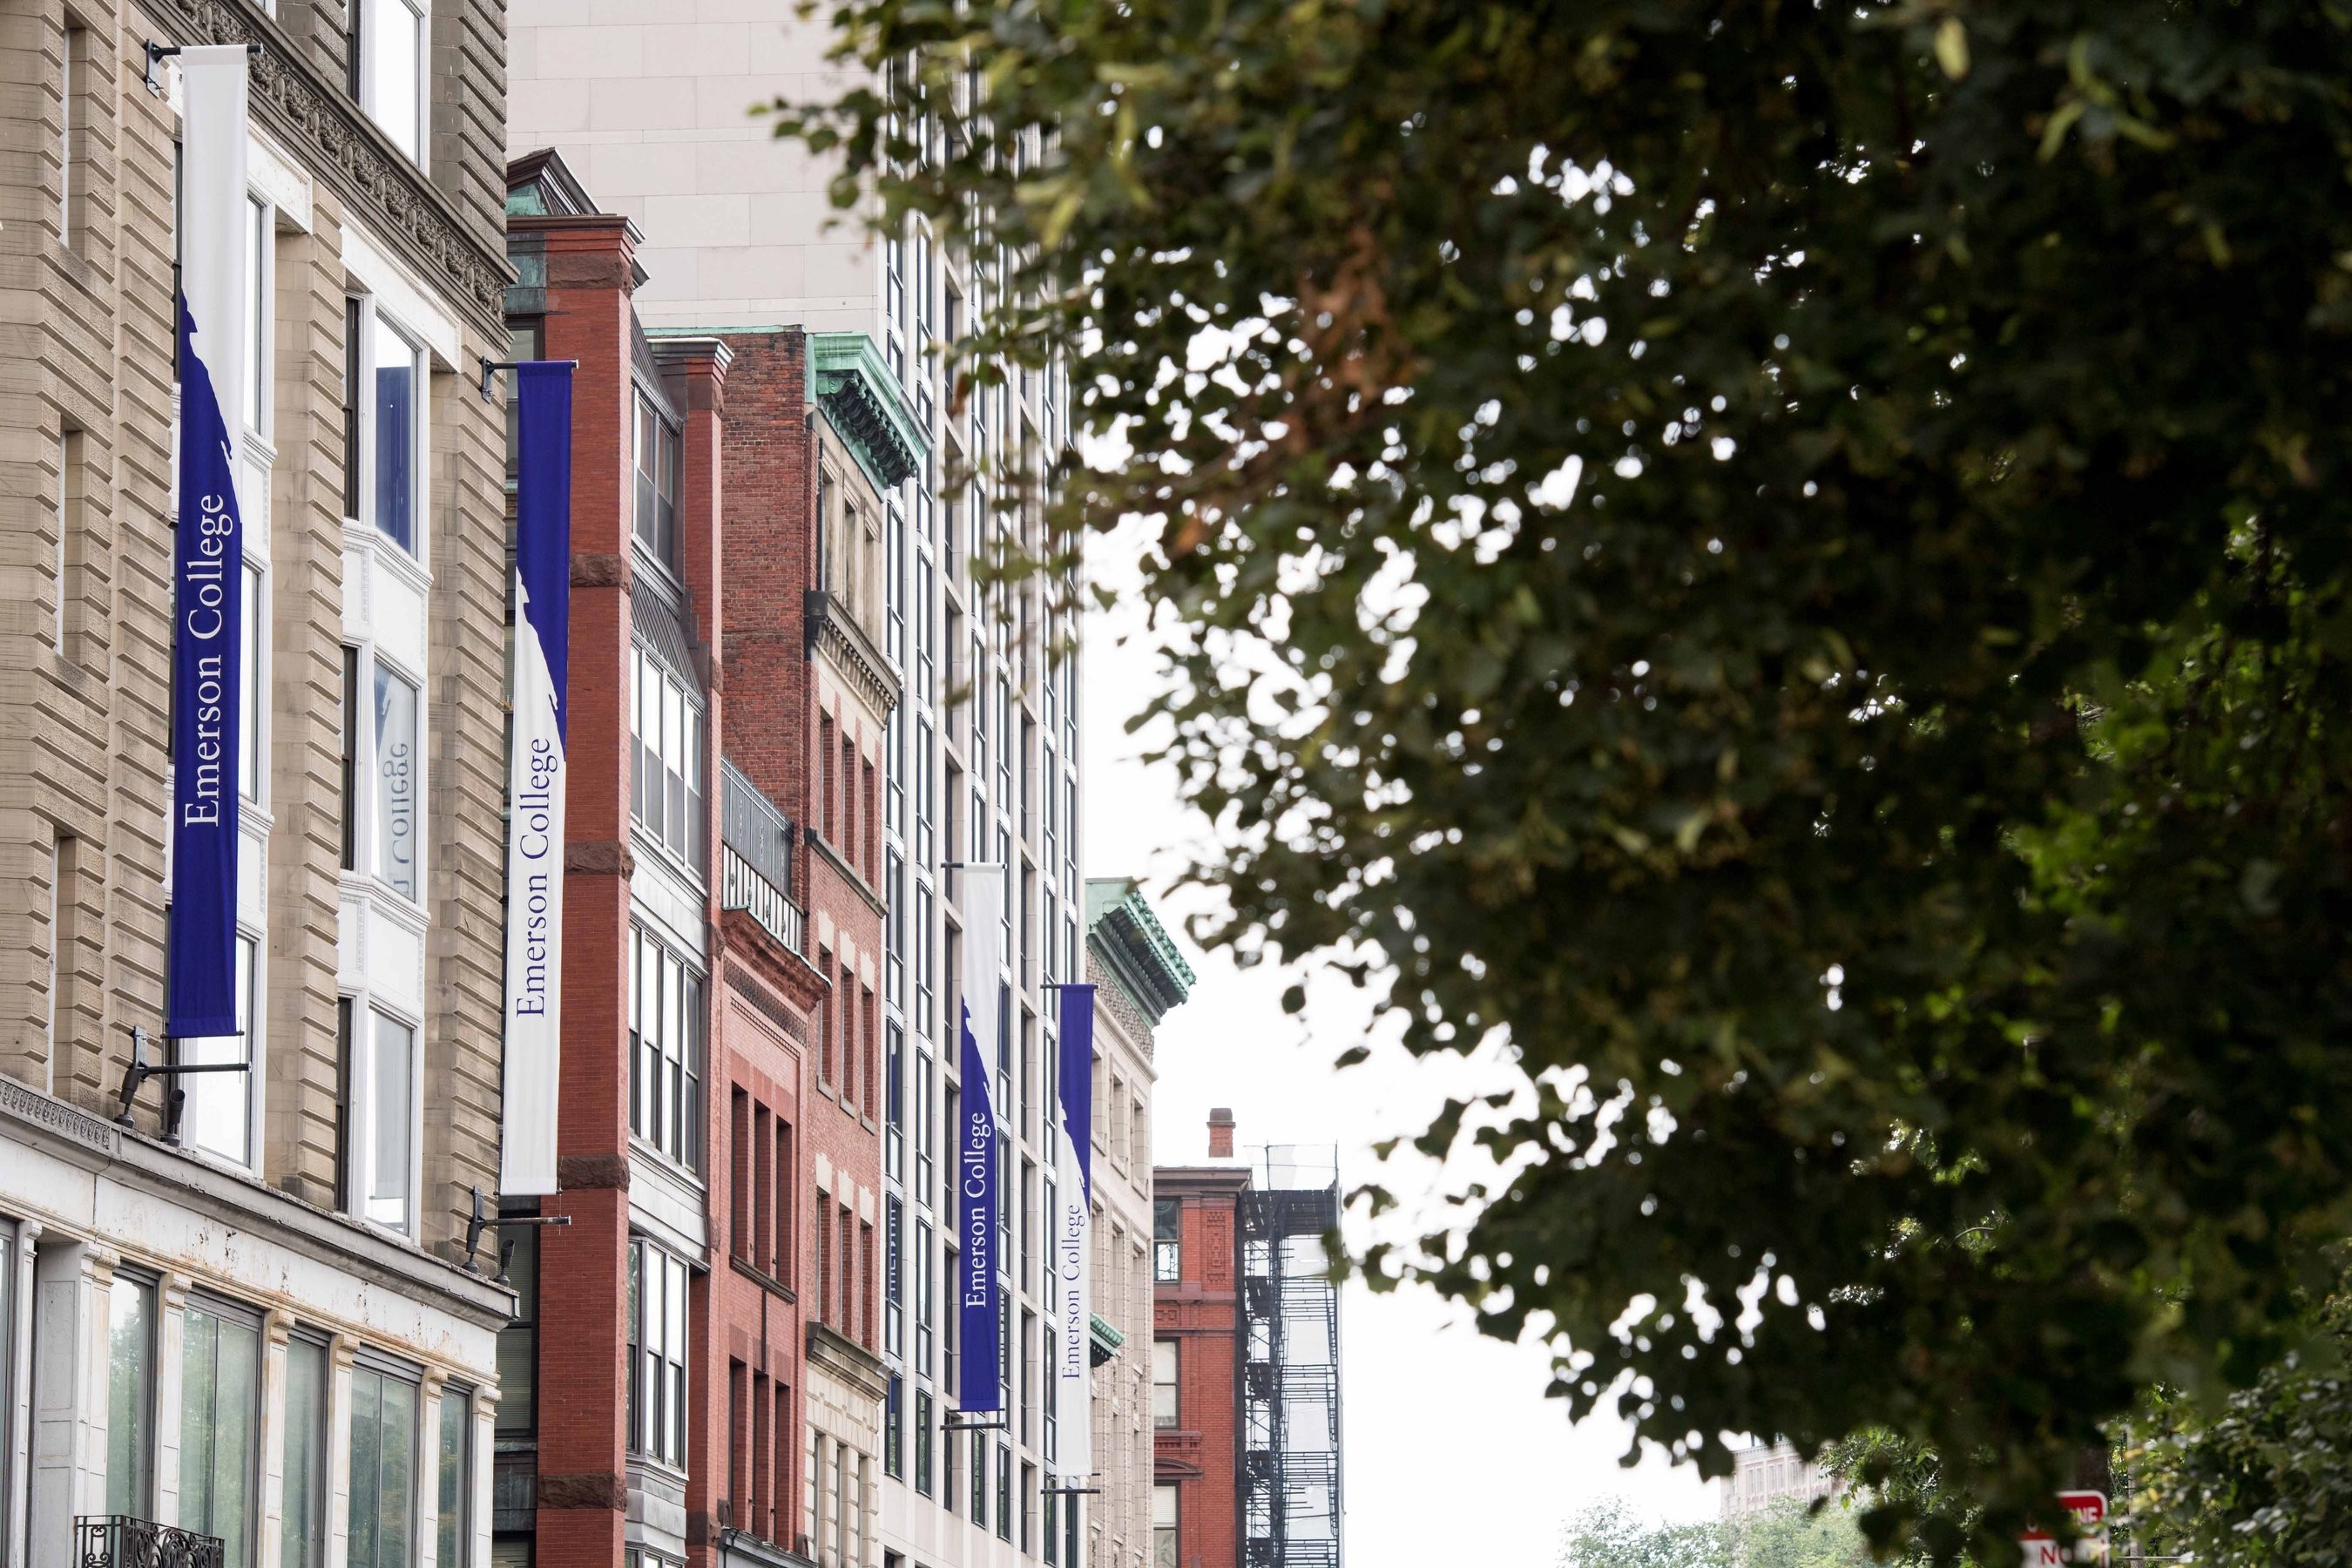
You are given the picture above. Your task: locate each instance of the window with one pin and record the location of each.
(923, 1297)
(1167, 1250)
(455, 1470)
(518, 1413)
(656, 462)
(657, 1325)
(253, 646)
(387, 1153)
(666, 788)
(350, 760)
(70, 491)
(665, 1050)
(130, 1395)
(394, 858)
(1003, 1493)
(925, 1071)
(1163, 1526)
(923, 1441)
(220, 1427)
(388, 70)
(894, 1420)
(383, 1468)
(219, 1114)
(1163, 1383)
(302, 1521)
(894, 1288)
(257, 309)
(395, 426)
(352, 461)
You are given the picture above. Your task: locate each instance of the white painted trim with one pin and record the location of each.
(401, 296)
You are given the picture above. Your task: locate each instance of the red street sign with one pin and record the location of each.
(2040, 1549)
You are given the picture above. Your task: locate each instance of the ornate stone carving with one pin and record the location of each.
(335, 142)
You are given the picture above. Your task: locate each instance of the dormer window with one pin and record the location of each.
(656, 463)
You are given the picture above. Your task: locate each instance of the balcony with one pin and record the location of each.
(755, 858)
(118, 1541)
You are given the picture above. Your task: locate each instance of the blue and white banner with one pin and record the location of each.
(1073, 1189)
(208, 552)
(542, 592)
(978, 1322)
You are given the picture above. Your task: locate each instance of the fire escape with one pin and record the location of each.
(1290, 1380)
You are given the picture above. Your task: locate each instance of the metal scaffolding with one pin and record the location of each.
(1290, 1376)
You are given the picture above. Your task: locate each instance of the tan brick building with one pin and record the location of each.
(258, 1332)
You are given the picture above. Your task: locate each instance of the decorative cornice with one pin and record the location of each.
(1135, 947)
(1102, 1339)
(859, 394)
(317, 121)
(834, 632)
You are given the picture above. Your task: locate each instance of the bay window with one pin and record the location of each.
(656, 445)
(656, 1321)
(666, 785)
(665, 1050)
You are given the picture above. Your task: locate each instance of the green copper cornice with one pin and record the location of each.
(1135, 947)
(862, 398)
(1103, 1341)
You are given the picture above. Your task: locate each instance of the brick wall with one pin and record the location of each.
(583, 1369)
(1201, 1314)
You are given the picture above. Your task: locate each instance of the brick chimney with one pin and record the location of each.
(1221, 1133)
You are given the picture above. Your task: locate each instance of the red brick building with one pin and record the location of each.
(1245, 1360)
(693, 1376)
(809, 697)
(1196, 1365)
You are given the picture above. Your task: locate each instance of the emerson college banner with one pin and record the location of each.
(543, 595)
(208, 552)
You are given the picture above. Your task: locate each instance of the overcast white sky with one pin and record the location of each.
(1436, 1415)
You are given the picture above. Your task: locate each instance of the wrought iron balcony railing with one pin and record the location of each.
(755, 857)
(118, 1541)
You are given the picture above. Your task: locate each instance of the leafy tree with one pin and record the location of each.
(1609, 1534)
(1792, 559)
(2266, 1482)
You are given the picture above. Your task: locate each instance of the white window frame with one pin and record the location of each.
(671, 1445)
(371, 43)
(360, 1150)
(691, 1059)
(377, 321)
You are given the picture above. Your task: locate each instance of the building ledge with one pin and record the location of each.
(30, 1117)
(844, 1359)
(1102, 1341)
(863, 400)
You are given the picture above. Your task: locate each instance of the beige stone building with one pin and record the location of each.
(1139, 975)
(248, 1321)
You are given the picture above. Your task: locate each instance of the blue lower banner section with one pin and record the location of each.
(207, 728)
(977, 1321)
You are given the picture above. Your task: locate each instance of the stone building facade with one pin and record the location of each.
(248, 1319)
(1139, 975)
